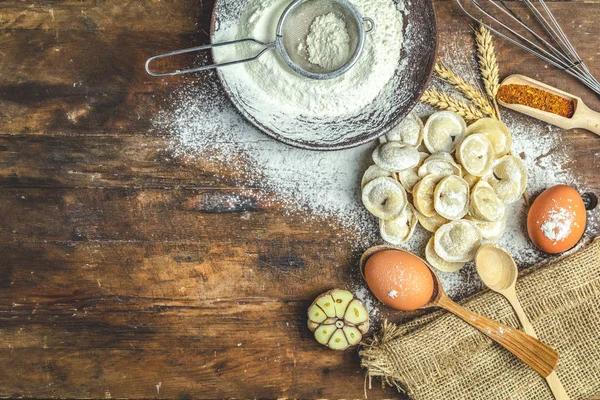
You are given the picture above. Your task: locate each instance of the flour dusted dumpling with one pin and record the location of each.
(384, 197)
(508, 178)
(470, 179)
(374, 171)
(475, 153)
(433, 223)
(489, 230)
(438, 262)
(457, 241)
(409, 131)
(399, 229)
(443, 130)
(451, 197)
(423, 195)
(495, 131)
(396, 156)
(410, 177)
(485, 203)
(440, 164)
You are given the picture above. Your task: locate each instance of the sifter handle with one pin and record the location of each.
(370, 24)
(268, 46)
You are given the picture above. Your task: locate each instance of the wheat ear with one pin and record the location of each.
(475, 95)
(488, 65)
(445, 102)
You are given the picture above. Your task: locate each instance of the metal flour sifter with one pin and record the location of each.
(292, 28)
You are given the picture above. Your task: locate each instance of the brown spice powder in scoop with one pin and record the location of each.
(536, 98)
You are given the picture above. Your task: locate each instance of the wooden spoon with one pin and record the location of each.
(583, 117)
(498, 271)
(539, 356)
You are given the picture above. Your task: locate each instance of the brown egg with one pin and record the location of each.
(399, 279)
(556, 219)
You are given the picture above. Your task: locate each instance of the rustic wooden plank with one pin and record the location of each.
(93, 81)
(84, 82)
(287, 269)
(104, 161)
(107, 15)
(150, 215)
(57, 161)
(124, 268)
(184, 373)
(154, 324)
(137, 307)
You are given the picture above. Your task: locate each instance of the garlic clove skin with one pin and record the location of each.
(312, 325)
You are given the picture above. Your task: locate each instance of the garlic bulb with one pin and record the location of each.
(338, 319)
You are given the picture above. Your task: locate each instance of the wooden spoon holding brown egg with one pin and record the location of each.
(404, 281)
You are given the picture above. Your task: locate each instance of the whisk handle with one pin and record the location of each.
(268, 46)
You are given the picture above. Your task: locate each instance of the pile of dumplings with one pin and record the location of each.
(452, 179)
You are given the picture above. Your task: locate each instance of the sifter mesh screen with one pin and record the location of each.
(296, 27)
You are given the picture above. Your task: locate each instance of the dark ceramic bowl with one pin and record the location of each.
(414, 70)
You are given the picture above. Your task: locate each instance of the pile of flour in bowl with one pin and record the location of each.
(328, 42)
(278, 97)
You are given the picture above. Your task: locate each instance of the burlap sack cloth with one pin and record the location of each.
(441, 357)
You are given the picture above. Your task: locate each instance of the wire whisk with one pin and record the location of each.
(550, 45)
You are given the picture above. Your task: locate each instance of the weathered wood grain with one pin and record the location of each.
(284, 269)
(83, 82)
(128, 272)
(129, 161)
(93, 80)
(108, 15)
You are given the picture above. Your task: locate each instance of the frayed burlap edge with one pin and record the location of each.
(378, 358)
(374, 357)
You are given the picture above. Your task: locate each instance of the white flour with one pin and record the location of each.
(206, 129)
(328, 42)
(298, 107)
(557, 226)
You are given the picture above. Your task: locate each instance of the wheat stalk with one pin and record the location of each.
(470, 92)
(445, 102)
(488, 65)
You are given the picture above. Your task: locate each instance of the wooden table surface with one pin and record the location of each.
(120, 274)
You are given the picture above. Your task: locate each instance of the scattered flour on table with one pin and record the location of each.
(204, 127)
(363, 293)
(328, 42)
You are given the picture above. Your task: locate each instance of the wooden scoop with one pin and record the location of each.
(583, 117)
(498, 271)
(539, 356)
